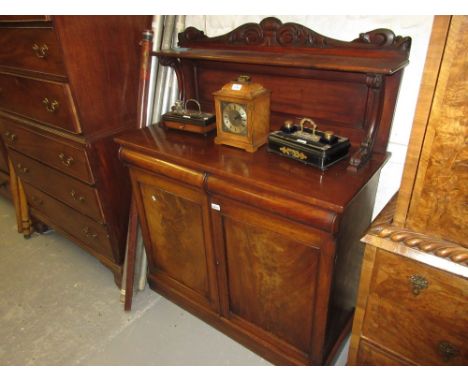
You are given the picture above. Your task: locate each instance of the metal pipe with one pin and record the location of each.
(179, 27)
(158, 28)
(169, 22)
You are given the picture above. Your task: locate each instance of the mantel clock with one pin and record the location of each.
(242, 114)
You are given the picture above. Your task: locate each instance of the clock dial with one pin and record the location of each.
(234, 118)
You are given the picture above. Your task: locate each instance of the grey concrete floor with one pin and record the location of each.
(60, 306)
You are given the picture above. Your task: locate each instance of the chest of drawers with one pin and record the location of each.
(412, 306)
(66, 87)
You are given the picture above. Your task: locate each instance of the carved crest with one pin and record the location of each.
(271, 32)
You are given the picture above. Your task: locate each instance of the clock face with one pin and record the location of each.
(234, 118)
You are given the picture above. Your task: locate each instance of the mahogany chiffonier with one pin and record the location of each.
(262, 247)
(66, 85)
(412, 307)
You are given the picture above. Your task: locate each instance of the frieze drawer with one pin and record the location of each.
(31, 49)
(90, 233)
(78, 195)
(44, 101)
(69, 159)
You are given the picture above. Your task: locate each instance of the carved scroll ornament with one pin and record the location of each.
(271, 32)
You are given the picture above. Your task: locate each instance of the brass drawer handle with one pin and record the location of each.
(51, 106)
(66, 161)
(10, 136)
(23, 169)
(447, 351)
(418, 283)
(75, 196)
(89, 234)
(40, 51)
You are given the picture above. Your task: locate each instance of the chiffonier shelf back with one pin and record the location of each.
(347, 87)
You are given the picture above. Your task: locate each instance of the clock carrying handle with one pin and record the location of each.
(194, 101)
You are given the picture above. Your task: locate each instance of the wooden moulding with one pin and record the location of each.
(415, 245)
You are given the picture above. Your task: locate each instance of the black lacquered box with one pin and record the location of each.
(314, 148)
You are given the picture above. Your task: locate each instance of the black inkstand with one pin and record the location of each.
(308, 145)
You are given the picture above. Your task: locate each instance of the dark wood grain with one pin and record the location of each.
(27, 97)
(68, 190)
(74, 161)
(108, 46)
(90, 68)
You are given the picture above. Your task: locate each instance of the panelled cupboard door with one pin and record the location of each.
(268, 286)
(175, 227)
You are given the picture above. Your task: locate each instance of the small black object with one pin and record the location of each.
(312, 147)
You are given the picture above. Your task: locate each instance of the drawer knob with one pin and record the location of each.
(418, 283)
(447, 351)
(22, 168)
(76, 197)
(66, 161)
(51, 106)
(10, 136)
(40, 50)
(88, 233)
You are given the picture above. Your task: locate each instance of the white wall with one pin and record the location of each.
(348, 28)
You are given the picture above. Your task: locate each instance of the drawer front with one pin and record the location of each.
(45, 101)
(417, 311)
(71, 160)
(85, 230)
(82, 197)
(34, 49)
(369, 355)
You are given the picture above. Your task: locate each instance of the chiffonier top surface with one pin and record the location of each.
(347, 87)
(332, 189)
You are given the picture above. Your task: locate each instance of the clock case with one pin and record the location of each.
(256, 100)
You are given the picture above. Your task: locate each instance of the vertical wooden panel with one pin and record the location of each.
(426, 95)
(439, 202)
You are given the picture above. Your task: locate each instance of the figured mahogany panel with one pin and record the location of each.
(174, 233)
(406, 299)
(439, 203)
(271, 275)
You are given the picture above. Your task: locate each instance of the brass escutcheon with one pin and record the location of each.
(418, 283)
